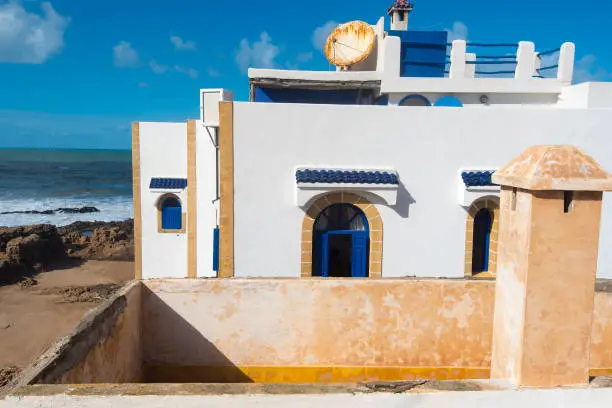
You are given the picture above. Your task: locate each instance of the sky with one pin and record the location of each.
(77, 73)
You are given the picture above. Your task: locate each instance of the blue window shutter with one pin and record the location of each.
(216, 249)
(324, 255)
(359, 254)
(172, 218)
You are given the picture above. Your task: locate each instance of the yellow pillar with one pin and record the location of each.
(547, 261)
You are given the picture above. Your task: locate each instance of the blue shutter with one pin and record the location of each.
(172, 218)
(216, 249)
(324, 255)
(359, 254)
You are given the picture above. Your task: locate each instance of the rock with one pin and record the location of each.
(28, 250)
(28, 282)
(81, 210)
(54, 247)
(7, 374)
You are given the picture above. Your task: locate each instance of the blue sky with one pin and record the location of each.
(76, 73)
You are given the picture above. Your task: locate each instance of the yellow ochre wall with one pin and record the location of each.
(318, 330)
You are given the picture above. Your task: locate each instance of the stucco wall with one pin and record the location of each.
(193, 326)
(163, 153)
(106, 346)
(118, 357)
(317, 323)
(206, 159)
(424, 233)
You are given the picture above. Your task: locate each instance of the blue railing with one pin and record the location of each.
(501, 61)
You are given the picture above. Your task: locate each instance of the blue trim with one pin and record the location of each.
(490, 62)
(216, 249)
(415, 96)
(477, 178)
(495, 72)
(547, 68)
(550, 52)
(345, 176)
(168, 183)
(171, 217)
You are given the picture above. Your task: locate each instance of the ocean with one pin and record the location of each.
(47, 180)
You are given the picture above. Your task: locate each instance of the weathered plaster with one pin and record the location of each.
(104, 348)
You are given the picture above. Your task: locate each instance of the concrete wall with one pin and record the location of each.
(320, 330)
(104, 348)
(187, 397)
(163, 153)
(206, 167)
(427, 146)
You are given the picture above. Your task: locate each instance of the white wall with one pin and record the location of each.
(206, 166)
(424, 233)
(163, 153)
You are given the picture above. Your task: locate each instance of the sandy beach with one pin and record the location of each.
(33, 317)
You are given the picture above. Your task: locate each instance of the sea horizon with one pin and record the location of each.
(36, 180)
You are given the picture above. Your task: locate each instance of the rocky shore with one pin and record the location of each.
(33, 248)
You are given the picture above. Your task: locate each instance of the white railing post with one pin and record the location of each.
(457, 67)
(525, 66)
(470, 69)
(565, 72)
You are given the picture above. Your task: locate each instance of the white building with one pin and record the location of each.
(381, 168)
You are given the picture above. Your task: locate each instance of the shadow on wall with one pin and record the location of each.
(404, 201)
(161, 348)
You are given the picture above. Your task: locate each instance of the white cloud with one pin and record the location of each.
(158, 68)
(321, 33)
(143, 85)
(586, 70)
(261, 54)
(193, 73)
(458, 32)
(181, 44)
(125, 56)
(30, 38)
(213, 72)
(162, 69)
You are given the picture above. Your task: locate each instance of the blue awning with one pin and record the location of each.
(168, 183)
(478, 178)
(346, 176)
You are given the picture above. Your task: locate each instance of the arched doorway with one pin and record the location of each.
(483, 223)
(341, 242)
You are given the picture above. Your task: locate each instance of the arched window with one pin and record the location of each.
(481, 242)
(171, 214)
(449, 101)
(341, 242)
(414, 100)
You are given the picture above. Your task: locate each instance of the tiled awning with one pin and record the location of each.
(346, 176)
(477, 178)
(168, 183)
(312, 182)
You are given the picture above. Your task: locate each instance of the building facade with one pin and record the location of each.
(381, 169)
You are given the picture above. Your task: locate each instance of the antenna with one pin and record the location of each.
(349, 44)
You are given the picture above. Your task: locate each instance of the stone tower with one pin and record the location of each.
(547, 260)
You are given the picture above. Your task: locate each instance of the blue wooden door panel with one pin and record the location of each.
(324, 255)
(359, 254)
(172, 218)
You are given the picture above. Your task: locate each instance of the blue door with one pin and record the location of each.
(341, 242)
(359, 254)
(481, 241)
